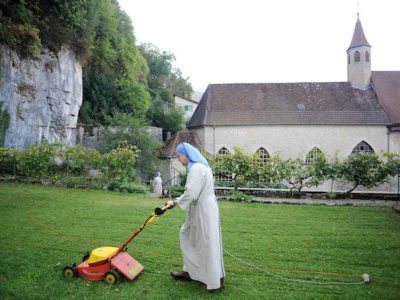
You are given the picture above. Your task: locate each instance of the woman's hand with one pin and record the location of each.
(170, 203)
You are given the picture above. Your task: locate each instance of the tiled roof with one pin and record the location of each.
(182, 136)
(387, 87)
(287, 103)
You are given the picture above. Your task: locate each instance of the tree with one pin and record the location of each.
(365, 169)
(28, 25)
(273, 171)
(392, 163)
(114, 79)
(239, 165)
(164, 82)
(300, 174)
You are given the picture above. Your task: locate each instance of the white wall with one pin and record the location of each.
(181, 102)
(395, 141)
(294, 140)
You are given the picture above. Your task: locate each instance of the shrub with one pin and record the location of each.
(177, 190)
(119, 163)
(8, 161)
(127, 186)
(133, 187)
(35, 161)
(239, 196)
(129, 131)
(79, 159)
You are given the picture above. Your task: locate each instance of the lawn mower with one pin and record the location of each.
(111, 264)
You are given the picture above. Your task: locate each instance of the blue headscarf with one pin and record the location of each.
(192, 153)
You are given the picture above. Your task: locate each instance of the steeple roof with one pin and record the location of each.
(359, 38)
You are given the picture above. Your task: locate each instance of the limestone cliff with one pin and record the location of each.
(41, 96)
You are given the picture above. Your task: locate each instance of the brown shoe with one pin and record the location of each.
(181, 276)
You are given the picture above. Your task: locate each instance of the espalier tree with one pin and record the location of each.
(368, 169)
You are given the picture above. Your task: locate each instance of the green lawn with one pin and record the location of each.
(44, 228)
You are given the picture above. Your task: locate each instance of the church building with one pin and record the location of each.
(299, 119)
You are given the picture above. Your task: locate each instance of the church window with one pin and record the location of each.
(366, 56)
(362, 147)
(348, 59)
(223, 150)
(261, 157)
(313, 155)
(357, 56)
(223, 176)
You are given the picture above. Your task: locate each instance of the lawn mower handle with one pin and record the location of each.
(160, 210)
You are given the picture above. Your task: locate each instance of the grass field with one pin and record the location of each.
(278, 249)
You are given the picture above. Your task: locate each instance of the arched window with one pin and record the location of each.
(357, 56)
(261, 157)
(223, 176)
(223, 150)
(362, 147)
(366, 56)
(348, 59)
(313, 155)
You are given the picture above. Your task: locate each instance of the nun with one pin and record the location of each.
(157, 185)
(200, 235)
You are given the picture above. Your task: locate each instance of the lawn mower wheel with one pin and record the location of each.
(69, 271)
(112, 277)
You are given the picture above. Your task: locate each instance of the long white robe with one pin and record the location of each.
(157, 186)
(200, 235)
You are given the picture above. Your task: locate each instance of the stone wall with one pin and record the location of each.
(42, 97)
(89, 136)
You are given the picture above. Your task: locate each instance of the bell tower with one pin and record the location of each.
(359, 59)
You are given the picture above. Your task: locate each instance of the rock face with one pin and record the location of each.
(42, 97)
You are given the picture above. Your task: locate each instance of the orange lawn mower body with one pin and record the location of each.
(111, 264)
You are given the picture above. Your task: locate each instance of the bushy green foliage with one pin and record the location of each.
(173, 120)
(114, 80)
(392, 163)
(72, 165)
(119, 163)
(28, 25)
(239, 165)
(240, 196)
(164, 82)
(127, 186)
(127, 130)
(8, 161)
(77, 160)
(35, 161)
(24, 38)
(176, 190)
(163, 76)
(365, 169)
(273, 171)
(368, 170)
(300, 174)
